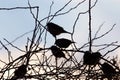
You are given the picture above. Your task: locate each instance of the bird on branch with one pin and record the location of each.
(55, 29)
(87, 58)
(108, 70)
(63, 43)
(95, 57)
(90, 58)
(57, 52)
(20, 72)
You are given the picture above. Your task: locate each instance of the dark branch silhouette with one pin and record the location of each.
(63, 59)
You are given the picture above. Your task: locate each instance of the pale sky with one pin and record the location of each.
(13, 23)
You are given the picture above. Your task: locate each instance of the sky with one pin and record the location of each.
(14, 23)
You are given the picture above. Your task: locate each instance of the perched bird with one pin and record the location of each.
(57, 52)
(91, 58)
(95, 57)
(87, 58)
(20, 72)
(108, 70)
(63, 43)
(55, 29)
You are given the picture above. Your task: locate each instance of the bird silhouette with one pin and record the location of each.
(63, 43)
(90, 58)
(55, 29)
(57, 52)
(95, 57)
(108, 70)
(87, 58)
(20, 72)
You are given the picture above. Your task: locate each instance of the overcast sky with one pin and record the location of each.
(13, 23)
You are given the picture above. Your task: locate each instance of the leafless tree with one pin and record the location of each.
(41, 63)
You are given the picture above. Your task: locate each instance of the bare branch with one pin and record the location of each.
(13, 45)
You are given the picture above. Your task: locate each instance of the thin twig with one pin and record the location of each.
(90, 26)
(14, 45)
